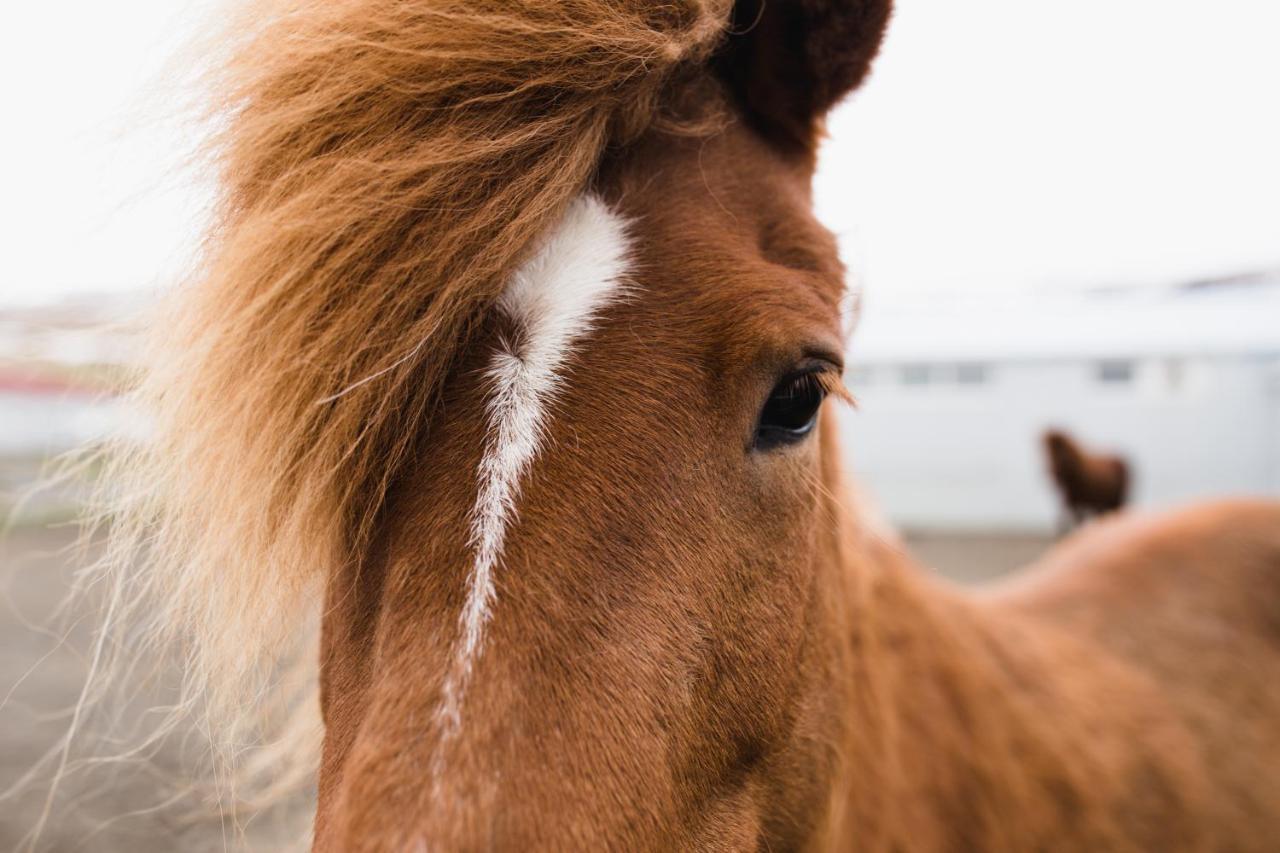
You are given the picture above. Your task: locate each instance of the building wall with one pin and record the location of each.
(956, 445)
(36, 424)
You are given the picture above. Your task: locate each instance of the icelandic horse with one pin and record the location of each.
(1087, 483)
(506, 359)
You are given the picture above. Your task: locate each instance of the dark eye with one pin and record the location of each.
(791, 411)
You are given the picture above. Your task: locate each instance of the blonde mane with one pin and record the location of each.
(384, 166)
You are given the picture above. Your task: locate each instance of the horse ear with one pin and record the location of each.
(788, 61)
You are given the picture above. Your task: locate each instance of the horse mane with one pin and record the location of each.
(384, 166)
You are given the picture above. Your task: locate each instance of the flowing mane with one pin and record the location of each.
(384, 166)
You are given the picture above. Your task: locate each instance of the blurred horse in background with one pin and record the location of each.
(508, 363)
(1089, 484)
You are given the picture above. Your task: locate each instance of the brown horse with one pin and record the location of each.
(509, 355)
(1088, 483)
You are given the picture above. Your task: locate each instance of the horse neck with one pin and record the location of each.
(953, 729)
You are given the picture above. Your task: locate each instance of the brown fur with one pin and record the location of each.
(694, 645)
(1088, 483)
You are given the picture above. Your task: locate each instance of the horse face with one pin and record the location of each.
(606, 607)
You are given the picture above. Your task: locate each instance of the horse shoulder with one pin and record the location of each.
(1191, 599)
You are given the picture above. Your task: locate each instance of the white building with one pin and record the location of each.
(1184, 381)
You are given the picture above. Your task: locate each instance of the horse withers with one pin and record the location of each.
(510, 358)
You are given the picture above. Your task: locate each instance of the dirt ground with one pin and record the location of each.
(141, 805)
(130, 803)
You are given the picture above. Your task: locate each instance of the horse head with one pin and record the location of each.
(603, 603)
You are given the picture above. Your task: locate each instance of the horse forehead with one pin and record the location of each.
(735, 284)
(726, 223)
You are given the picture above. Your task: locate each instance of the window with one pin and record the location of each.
(971, 373)
(915, 374)
(948, 375)
(1115, 372)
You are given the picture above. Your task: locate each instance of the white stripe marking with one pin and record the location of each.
(553, 300)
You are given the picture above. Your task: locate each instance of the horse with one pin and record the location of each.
(1088, 483)
(512, 362)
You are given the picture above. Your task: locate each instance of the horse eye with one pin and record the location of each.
(790, 412)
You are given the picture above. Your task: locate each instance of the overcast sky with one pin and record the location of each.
(1000, 143)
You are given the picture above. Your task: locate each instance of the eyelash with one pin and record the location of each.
(791, 410)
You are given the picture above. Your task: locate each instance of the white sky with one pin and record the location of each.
(1000, 143)
(1024, 142)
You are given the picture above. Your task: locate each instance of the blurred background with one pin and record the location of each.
(1063, 215)
(1058, 215)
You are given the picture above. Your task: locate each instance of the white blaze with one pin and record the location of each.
(552, 300)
